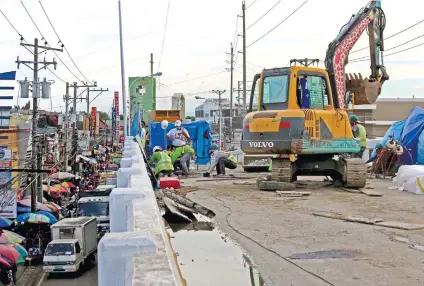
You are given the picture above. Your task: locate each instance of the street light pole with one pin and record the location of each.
(124, 95)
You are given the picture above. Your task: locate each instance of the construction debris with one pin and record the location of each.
(371, 221)
(292, 194)
(244, 183)
(179, 200)
(370, 192)
(274, 185)
(173, 208)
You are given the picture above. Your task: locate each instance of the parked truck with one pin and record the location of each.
(73, 245)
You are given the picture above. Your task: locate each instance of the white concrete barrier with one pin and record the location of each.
(138, 250)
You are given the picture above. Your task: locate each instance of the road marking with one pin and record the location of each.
(41, 280)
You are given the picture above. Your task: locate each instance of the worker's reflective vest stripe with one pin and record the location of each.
(164, 163)
(232, 158)
(362, 135)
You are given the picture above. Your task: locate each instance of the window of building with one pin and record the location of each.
(4, 118)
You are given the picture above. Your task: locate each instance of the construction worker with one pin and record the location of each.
(360, 134)
(181, 157)
(220, 160)
(178, 135)
(163, 162)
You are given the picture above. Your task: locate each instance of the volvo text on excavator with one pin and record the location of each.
(299, 112)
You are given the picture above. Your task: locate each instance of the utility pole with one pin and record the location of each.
(74, 127)
(36, 51)
(65, 124)
(219, 92)
(244, 56)
(231, 93)
(40, 147)
(239, 84)
(151, 65)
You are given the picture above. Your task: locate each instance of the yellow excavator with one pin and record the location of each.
(298, 113)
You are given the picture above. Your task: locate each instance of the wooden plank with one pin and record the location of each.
(350, 190)
(371, 193)
(293, 193)
(330, 215)
(400, 225)
(363, 219)
(244, 183)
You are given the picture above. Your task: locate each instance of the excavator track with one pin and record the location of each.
(281, 170)
(355, 173)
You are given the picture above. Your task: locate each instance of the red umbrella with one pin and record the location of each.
(9, 252)
(4, 263)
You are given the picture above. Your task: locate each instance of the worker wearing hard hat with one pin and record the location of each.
(220, 160)
(360, 133)
(181, 157)
(178, 135)
(163, 162)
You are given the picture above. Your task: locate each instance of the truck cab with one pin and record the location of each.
(62, 256)
(74, 243)
(96, 204)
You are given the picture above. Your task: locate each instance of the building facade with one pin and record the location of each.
(142, 92)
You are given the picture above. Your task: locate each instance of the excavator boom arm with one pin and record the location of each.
(370, 17)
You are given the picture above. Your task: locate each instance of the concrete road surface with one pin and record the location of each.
(85, 278)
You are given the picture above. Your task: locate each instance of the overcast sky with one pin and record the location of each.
(197, 38)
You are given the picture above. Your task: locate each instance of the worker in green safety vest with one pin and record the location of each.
(181, 157)
(163, 162)
(360, 134)
(220, 160)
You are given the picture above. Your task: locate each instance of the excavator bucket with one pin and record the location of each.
(365, 91)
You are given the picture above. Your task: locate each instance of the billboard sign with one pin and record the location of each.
(8, 203)
(84, 140)
(5, 163)
(113, 120)
(98, 124)
(116, 130)
(93, 118)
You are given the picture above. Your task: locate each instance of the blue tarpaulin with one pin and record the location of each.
(409, 134)
(199, 132)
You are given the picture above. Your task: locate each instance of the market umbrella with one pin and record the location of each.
(60, 189)
(68, 185)
(35, 218)
(23, 209)
(7, 237)
(23, 253)
(27, 203)
(29, 197)
(53, 206)
(5, 222)
(47, 214)
(62, 175)
(9, 252)
(4, 263)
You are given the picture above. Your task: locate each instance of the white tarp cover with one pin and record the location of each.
(410, 178)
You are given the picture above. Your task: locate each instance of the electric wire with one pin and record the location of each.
(392, 48)
(7, 19)
(260, 18)
(60, 40)
(398, 33)
(285, 19)
(164, 34)
(394, 53)
(48, 44)
(251, 4)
